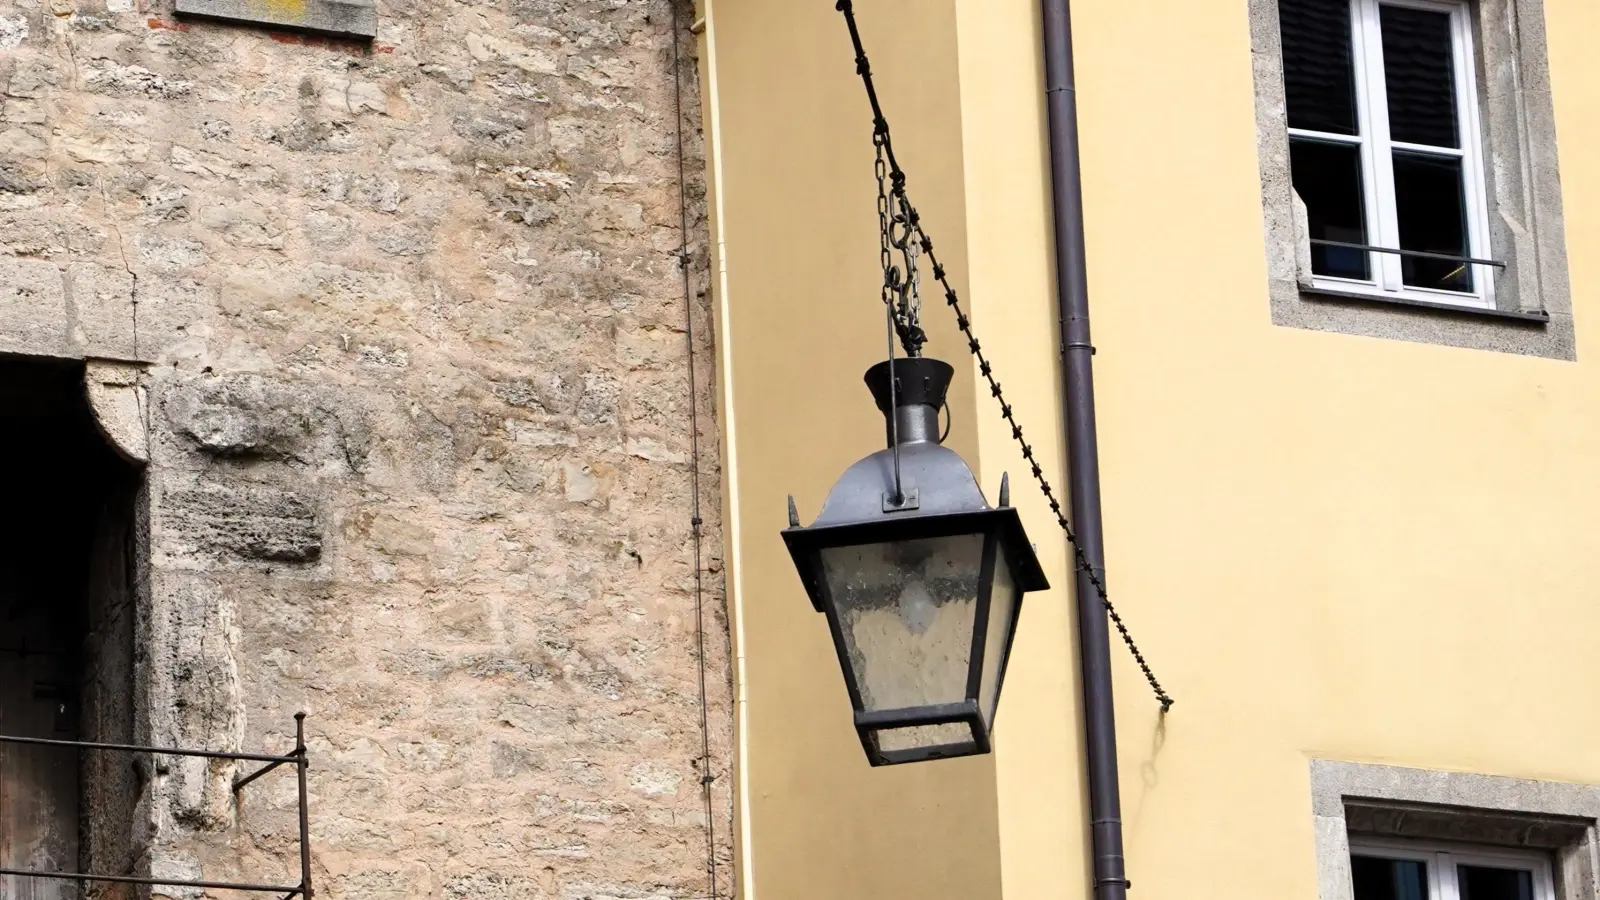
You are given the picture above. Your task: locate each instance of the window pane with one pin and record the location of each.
(1428, 198)
(1389, 879)
(1419, 66)
(1484, 883)
(1328, 178)
(1317, 74)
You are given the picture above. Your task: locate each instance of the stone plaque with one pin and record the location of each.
(346, 18)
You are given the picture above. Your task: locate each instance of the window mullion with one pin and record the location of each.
(1379, 152)
(1447, 885)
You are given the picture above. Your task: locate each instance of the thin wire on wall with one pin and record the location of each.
(697, 522)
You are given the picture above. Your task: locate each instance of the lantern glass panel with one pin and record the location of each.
(906, 610)
(1004, 598)
(919, 737)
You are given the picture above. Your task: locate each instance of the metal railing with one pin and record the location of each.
(297, 758)
(1418, 254)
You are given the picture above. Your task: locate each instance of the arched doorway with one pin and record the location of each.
(70, 571)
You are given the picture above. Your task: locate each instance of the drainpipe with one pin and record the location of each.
(1077, 374)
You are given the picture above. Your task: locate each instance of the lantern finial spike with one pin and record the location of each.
(1005, 489)
(794, 514)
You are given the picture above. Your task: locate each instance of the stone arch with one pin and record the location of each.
(118, 400)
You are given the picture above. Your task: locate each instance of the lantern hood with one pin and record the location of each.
(939, 494)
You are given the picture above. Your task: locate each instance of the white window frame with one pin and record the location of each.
(1442, 860)
(1377, 157)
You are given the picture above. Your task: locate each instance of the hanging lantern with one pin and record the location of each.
(920, 579)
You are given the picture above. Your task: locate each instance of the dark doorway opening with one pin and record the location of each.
(71, 564)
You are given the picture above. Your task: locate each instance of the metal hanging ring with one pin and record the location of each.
(900, 231)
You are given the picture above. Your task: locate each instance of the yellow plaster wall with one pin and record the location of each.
(796, 226)
(1328, 545)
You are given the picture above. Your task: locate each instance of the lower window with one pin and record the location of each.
(1408, 871)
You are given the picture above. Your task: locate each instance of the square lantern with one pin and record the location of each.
(920, 579)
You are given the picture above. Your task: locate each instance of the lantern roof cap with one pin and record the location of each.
(935, 481)
(941, 498)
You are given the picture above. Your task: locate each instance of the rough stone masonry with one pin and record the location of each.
(399, 328)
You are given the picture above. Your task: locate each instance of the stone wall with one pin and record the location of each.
(410, 344)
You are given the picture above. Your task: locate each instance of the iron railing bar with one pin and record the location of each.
(1422, 254)
(128, 748)
(158, 882)
(302, 765)
(239, 783)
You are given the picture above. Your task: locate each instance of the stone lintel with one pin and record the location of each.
(83, 312)
(342, 18)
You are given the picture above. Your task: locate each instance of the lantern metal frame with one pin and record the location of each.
(918, 490)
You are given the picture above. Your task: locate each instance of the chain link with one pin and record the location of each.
(902, 284)
(891, 275)
(901, 229)
(911, 297)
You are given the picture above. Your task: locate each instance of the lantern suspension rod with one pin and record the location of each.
(986, 369)
(894, 410)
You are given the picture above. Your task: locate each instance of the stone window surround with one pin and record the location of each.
(1558, 818)
(1527, 231)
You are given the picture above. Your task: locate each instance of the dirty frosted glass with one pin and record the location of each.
(906, 610)
(1002, 610)
(915, 737)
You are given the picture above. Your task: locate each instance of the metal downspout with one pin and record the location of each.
(1077, 373)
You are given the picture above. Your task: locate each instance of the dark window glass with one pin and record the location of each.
(1433, 218)
(1419, 67)
(1484, 883)
(1389, 879)
(1317, 74)
(1327, 176)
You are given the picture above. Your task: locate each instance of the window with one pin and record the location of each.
(1424, 129)
(1406, 871)
(1385, 147)
(1394, 833)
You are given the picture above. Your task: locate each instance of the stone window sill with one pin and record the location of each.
(1532, 317)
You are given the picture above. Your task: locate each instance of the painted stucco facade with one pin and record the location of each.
(1336, 541)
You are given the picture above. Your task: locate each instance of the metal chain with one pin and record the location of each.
(911, 297)
(896, 196)
(891, 275)
(901, 284)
